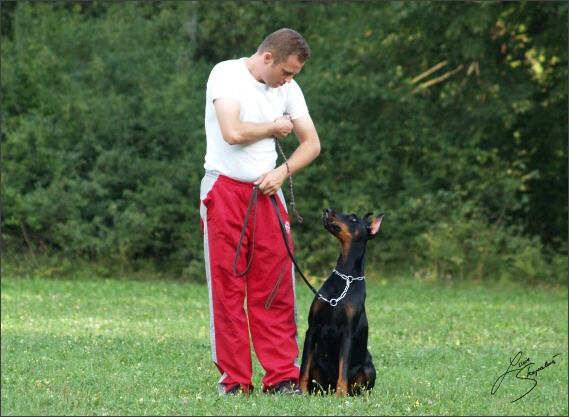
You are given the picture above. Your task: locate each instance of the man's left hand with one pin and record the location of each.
(270, 182)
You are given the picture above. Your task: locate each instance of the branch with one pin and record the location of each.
(437, 80)
(30, 247)
(428, 72)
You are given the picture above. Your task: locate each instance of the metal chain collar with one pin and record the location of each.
(349, 279)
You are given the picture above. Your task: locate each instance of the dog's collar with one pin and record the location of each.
(349, 279)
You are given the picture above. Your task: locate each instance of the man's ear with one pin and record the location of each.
(267, 57)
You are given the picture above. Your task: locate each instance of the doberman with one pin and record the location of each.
(335, 357)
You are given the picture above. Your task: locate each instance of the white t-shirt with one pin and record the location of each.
(259, 104)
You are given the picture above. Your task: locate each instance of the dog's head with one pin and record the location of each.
(350, 227)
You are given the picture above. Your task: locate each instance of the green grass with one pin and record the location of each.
(119, 347)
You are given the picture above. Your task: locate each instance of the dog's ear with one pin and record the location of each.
(374, 225)
(367, 215)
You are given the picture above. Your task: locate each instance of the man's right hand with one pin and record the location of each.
(237, 132)
(283, 126)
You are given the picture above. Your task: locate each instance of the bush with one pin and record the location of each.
(450, 117)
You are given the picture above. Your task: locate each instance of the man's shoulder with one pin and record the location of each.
(228, 65)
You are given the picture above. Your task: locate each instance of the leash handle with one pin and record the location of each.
(253, 205)
(271, 296)
(252, 202)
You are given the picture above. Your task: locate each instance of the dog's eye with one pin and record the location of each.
(353, 218)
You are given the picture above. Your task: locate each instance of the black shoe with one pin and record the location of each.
(238, 389)
(287, 387)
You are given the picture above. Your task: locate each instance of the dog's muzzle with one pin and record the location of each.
(328, 222)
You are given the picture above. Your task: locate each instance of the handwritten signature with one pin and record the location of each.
(520, 366)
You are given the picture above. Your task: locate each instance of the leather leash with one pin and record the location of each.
(283, 232)
(253, 206)
(253, 202)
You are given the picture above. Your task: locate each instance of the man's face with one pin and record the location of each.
(278, 74)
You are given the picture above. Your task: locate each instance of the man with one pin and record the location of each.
(249, 102)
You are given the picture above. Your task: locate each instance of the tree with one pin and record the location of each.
(451, 117)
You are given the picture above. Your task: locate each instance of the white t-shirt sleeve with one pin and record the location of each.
(221, 85)
(295, 104)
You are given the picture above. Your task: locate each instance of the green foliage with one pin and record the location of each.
(106, 161)
(450, 117)
(427, 116)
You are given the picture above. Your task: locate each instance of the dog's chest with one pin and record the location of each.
(331, 311)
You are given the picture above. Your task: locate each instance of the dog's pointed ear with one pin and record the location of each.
(367, 215)
(374, 225)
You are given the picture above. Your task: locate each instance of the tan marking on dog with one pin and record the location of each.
(317, 376)
(303, 383)
(316, 307)
(350, 311)
(345, 238)
(342, 384)
(360, 382)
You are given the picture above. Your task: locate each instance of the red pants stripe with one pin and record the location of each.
(237, 305)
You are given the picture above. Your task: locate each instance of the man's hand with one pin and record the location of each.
(270, 182)
(283, 126)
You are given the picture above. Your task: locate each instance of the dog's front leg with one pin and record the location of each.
(307, 358)
(344, 365)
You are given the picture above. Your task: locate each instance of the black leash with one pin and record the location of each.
(281, 223)
(253, 205)
(253, 202)
(283, 232)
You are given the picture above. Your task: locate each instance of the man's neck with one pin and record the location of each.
(253, 64)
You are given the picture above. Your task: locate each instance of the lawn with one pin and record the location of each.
(126, 347)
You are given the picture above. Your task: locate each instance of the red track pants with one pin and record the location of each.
(237, 305)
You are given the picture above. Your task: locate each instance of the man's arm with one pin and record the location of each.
(307, 151)
(237, 132)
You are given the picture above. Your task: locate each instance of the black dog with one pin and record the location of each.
(335, 355)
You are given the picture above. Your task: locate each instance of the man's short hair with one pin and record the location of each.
(284, 43)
